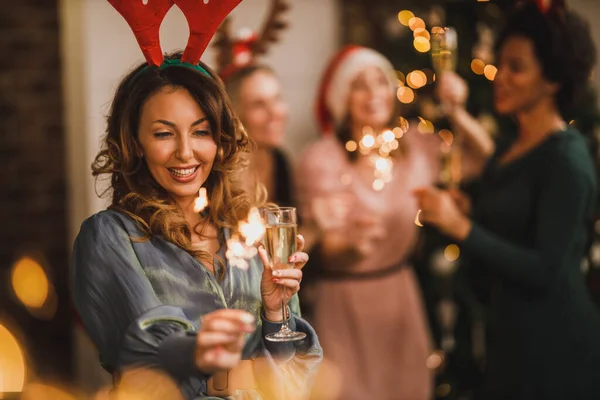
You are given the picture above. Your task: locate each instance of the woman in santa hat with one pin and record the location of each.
(368, 312)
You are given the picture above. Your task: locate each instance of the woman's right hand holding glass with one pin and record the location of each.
(220, 339)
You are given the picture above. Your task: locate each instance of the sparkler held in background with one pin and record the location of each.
(379, 147)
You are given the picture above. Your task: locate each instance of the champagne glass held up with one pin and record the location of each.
(444, 53)
(281, 230)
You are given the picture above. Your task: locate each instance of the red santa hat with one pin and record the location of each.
(346, 65)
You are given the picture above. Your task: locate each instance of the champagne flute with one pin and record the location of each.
(444, 45)
(444, 54)
(281, 230)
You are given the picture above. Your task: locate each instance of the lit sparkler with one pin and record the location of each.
(201, 201)
(241, 247)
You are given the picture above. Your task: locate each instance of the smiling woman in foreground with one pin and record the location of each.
(150, 278)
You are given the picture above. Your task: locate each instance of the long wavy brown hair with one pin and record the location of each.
(134, 190)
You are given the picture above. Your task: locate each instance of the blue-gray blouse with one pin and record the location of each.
(141, 302)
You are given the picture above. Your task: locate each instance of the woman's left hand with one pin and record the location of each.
(275, 279)
(439, 209)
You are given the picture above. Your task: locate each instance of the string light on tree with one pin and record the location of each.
(421, 32)
(416, 79)
(405, 95)
(422, 44)
(477, 66)
(405, 16)
(490, 72)
(351, 146)
(415, 23)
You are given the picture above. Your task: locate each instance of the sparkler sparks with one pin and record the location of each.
(241, 247)
(201, 201)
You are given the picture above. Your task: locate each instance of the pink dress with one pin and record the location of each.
(374, 330)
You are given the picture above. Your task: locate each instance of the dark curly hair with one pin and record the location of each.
(563, 45)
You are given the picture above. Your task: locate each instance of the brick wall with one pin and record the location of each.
(32, 174)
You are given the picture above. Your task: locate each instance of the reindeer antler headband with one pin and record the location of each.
(546, 6)
(145, 18)
(234, 54)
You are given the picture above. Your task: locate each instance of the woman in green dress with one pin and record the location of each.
(529, 224)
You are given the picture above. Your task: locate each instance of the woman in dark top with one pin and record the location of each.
(150, 278)
(256, 95)
(529, 224)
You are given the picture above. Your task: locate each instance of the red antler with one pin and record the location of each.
(145, 20)
(543, 5)
(204, 17)
(547, 5)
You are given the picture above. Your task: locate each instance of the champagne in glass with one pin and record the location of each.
(444, 44)
(280, 242)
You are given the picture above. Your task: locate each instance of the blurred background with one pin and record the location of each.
(60, 61)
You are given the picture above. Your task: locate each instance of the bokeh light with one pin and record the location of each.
(452, 252)
(39, 391)
(405, 16)
(425, 126)
(416, 79)
(367, 141)
(12, 363)
(328, 382)
(477, 66)
(416, 23)
(405, 95)
(422, 45)
(443, 390)
(388, 136)
(490, 72)
(146, 384)
(378, 184)
(422, 32)
(435, 360)
(30, 282)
